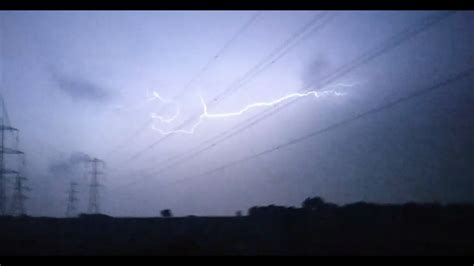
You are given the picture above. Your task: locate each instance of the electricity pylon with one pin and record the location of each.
(5, 128)
(18, 197)
(71, 200)
(94, 185)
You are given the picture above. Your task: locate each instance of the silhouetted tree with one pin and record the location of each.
(166, 213)
(252, 211)
(313, 204)
(238, 213)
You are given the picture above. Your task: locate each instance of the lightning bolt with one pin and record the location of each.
(206, 114)
(160, 118)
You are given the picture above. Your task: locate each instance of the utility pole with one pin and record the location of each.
(71, 200)
(94, 185)
(4, 128)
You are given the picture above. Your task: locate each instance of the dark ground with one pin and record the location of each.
(356, 229)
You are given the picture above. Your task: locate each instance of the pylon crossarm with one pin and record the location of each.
(3, 127)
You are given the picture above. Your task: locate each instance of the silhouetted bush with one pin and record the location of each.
(317, 205)
(313, 204)
(166, 213)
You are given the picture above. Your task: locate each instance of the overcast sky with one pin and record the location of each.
(78, 84)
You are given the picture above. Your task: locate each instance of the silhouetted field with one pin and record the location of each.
(324, 229)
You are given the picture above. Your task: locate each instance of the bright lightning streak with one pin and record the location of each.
(268, 104)
(157, 96)
(166, 120)
(149, 98)
(160, 118)
(206, 114)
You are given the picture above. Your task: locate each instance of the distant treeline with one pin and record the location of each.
(315, 228)
(317, 207)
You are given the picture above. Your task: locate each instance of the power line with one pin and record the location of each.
(443, 84)
(219, 53)
(273, 57)
(206, 66)
(257, 69)
(389, 44)
(132, 136)
(384, 47)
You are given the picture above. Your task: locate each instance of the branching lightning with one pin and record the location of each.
(205, 113)
(160, 118)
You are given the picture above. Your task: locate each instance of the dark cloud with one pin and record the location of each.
(70, 165)
(80, 88)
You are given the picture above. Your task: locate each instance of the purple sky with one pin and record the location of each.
(77, 83)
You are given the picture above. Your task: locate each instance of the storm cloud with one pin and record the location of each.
(80, 88)
(74, 163)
